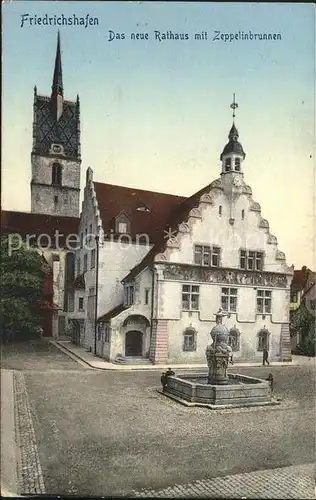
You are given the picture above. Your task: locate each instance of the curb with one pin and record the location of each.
(83, 362)
(73, 356)
(9, 451)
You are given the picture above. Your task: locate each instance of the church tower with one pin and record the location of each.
(55, 157)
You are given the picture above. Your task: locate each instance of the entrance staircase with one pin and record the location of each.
(285, 343)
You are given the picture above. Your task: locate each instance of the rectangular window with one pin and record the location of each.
(85, 263)
(91, 304)
(78, 266)
(90, 231)
(81, 240)
(264, 301)
(206, 256)
(294, 297)
(216, 251)
(147, 296)
(107, 331)
(129, 295)
(251, 260)
(190, 297)
(92, 263)
(80, 303)
(71, 302)
(228, 165)
(237, 164)
(229, 299)
(189, 341)
(122, 227)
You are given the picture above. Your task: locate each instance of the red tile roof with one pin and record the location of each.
(25, 223)
(179, 214)
(114, 200)
(300, 278)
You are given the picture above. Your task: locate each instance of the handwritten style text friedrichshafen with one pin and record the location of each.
(46, 20)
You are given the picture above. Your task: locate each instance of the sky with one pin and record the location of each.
(156, 114)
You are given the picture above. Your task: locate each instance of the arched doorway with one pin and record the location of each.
(134, 343)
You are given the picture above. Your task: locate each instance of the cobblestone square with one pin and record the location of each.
(85, 431)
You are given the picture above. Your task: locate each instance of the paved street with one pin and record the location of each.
(111, 433)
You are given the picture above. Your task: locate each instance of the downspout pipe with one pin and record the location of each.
(96, 295)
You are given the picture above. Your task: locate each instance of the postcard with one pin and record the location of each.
(158, 249)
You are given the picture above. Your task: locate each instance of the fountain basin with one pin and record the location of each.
(240, 391)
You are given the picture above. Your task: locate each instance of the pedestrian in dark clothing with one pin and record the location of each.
(270, 379)
(164, 377)
(265, 356)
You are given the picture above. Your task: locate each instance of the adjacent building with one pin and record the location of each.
(55, 192)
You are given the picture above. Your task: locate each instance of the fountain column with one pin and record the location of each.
(219, 352)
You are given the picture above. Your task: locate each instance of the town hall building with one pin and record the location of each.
(151, 269)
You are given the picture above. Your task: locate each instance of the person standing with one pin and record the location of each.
(265, 356)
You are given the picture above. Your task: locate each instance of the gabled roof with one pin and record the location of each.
(113, 312)
(113, 200)
(179, 214)
(25, 223)
(299, 279)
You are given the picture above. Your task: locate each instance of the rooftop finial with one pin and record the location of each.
(234, 105)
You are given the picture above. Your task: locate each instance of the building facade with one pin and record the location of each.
(157, 300)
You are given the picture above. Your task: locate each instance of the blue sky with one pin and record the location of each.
(156, 115)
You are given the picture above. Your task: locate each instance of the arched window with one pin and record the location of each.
(220, 210)
(234, 339)
(189, 339)
(263, 339)
(228, 164)
(242, 214)
(237, 164)
(56, 174)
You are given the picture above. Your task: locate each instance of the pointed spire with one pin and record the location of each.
(233, 133)
(57, 87)
(57, 98)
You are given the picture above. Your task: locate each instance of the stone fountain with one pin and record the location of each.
(218, 389)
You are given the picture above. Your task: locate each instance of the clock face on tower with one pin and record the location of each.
(56, 148)
(237, 181)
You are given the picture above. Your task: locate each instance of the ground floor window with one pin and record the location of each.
(189, 339)
(263, 339)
